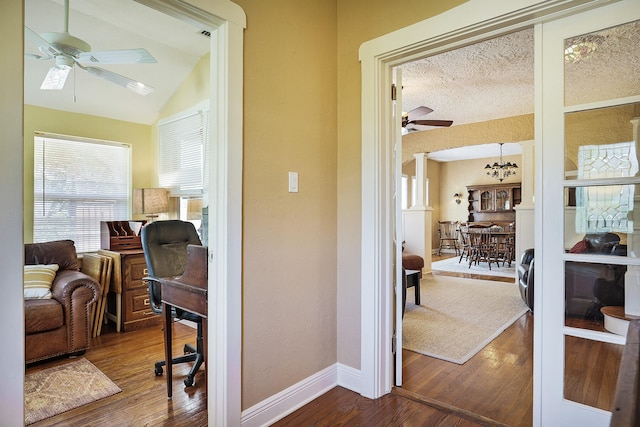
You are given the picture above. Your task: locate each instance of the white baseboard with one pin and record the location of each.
(287, 401)
(349, 378)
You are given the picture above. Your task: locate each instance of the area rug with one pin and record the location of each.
(452, 265)
(59, 389)
(458, 317)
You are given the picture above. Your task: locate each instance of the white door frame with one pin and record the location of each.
(471, 22)
(226, 21)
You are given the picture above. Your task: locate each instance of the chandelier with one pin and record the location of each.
(501, 170)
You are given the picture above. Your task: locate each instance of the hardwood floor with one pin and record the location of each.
(494, 388)
(128, 360)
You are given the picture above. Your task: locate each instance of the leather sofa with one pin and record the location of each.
(60, 325)
(526, 277)
(590, 286)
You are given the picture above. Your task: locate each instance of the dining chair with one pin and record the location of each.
(483, 247)
(448, 231)
(465, 251)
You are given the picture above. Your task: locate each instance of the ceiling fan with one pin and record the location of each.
(410, 122)
(68, 51)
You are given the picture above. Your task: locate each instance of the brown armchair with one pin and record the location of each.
(589, 286)
(61, 324)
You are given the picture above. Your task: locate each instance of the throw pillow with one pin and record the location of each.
(38, 279)
(581, 247)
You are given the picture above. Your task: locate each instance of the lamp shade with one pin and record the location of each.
(150, 201)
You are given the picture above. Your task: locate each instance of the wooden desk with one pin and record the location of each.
(188, 292)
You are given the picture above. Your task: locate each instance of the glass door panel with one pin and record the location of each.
(591, 369)
(601, 113)
(584, 104)
(600, 65)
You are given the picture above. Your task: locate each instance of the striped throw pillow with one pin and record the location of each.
(38, 280)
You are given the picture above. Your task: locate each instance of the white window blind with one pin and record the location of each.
(77, 184)
(182, 153)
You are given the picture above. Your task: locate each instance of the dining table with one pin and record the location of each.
(490, 245)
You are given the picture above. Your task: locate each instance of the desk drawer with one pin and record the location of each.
(188, 298)
(134, 270)
(139, 303)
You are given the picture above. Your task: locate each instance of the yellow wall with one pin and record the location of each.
(448, 178)
(194, 89)
(509, 129)
(82, 125)
(358, 22)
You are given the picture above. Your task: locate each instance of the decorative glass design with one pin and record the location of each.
(605, 208)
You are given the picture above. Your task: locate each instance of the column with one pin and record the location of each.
(525, 211)
(421, 177)
(417, 221)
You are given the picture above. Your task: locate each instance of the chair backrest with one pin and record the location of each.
(448, 229)
(165, 250)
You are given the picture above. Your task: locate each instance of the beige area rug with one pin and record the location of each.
(452, 265)
(458, 317)
(59, 389)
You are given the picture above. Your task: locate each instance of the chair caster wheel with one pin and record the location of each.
(188, 382)
(159, 371)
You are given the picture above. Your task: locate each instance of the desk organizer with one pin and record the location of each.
(120, 235)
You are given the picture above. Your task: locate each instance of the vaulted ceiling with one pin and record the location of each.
(111, 25)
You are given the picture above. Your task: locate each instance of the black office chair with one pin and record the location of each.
(165, 250)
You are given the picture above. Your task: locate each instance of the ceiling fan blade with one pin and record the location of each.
(418, 112)
(126, 82)
(42, 44)
(123, 56)
(444, 123)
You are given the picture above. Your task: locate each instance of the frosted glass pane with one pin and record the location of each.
(602, 65)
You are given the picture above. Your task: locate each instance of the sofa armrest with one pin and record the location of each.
(76, 291)
(67, 282)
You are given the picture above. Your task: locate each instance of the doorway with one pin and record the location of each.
(226, 21)
(459, 29)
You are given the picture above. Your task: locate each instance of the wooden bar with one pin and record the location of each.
(626, 404)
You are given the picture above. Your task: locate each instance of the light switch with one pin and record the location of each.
(293, 182)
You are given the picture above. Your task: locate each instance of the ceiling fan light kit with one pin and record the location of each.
(56, 77)
(69, 51)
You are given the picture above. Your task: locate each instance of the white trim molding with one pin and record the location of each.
(287, 401)
(227, 22)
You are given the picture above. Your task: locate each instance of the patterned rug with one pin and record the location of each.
(458, 317)
(59, 389)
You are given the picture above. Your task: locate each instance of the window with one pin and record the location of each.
(405, 192)
(182, 143)
(78, 183)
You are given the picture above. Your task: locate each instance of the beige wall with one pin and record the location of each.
(289, 252)
(144, 170)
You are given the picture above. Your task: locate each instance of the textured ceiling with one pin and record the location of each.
(485, 81)
(494, 79)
